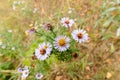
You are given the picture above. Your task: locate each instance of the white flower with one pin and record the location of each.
(43, 51)
(67, 22)
(14, 7)
(35, 10)
(25, 74)
(70, 11)
(0, 43)
(24, 71)
(3, 46)
(13, 48)
(38, 76)
(20, 70)
(80, 35)
(9, 30)
(61, 43)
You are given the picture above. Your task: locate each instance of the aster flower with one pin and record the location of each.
(24, 71)
(67, 22)
(61, 43)
(43, 51)
(0, 43)
(13, 48)
(47, 26)
(10, 31)
(35, 10)
(25, 74)
(80, 35)
(30, 31)
(3, 46)
(38, 76)
(20, 70)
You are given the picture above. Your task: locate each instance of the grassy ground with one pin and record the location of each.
(100, 55)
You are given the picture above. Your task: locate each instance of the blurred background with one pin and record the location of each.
(101, 18)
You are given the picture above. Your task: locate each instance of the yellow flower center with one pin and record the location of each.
(42, 51)
(62, 42)
(67, 22)
(80, 35)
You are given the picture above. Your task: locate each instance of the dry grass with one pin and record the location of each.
(95, 60)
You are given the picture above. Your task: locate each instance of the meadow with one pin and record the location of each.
(59, 39)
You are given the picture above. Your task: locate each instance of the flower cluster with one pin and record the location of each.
(24, 71)
(54, 43)
(60, 43)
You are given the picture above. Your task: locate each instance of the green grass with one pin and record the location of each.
(100, 18)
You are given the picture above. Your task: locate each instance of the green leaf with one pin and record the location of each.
(27, 62)
(107, 23)
(110, 10)
(33, 47)
(106, 36)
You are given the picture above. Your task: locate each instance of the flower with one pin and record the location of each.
(67, 22)
(25, 74)
(61, 43)
(35, 10)
(30, 31)
(3, 46)
(38, 76)
(43, 51)
(70, 11)
(13, 48)
(80, 35)
(0, 43)
(24, 71)
(10, 31)
(47, 26)
(20, 70)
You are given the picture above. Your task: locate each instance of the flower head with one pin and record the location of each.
(25, 74)
(47, 26)
(30, 31)
(10, 31)
(80, 35)
(24, 71)
(43, 51)
(62, 43)
(67, 22)
(38, 76)
(3, 46)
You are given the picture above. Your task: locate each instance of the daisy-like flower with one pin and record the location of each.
(13, 48)
(10, 31)
(25, 74)
(61, 43)
(80, 35)
(30, 31)
(38, 76)
(47, 26)
(24, 71)
(43, 51)
(35, 10)
(20, 70)
(67, 22)
(3, 46)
